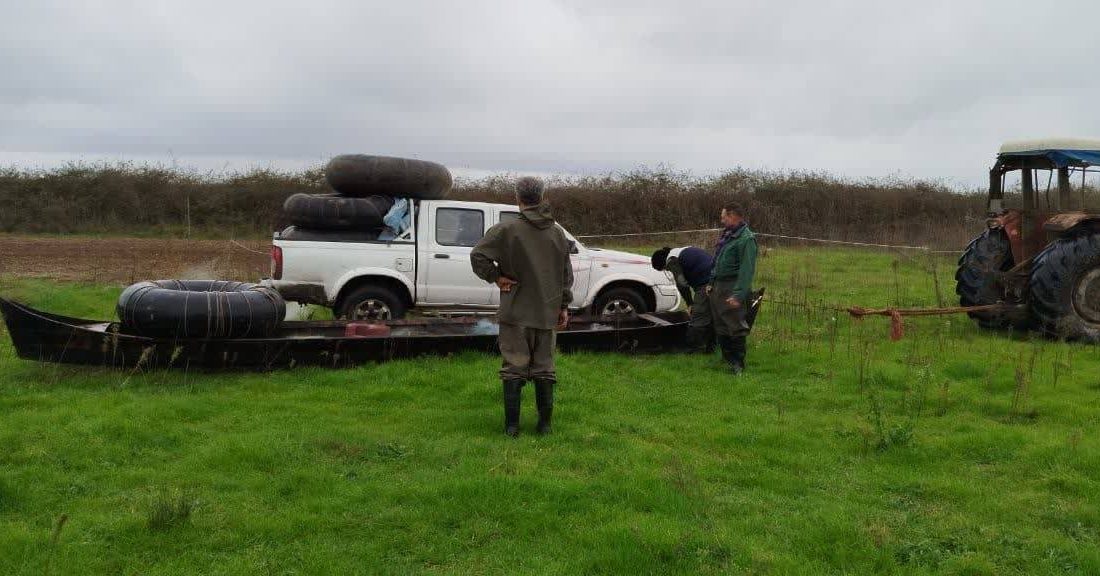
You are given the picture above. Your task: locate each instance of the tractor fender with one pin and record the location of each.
(1064, 223)
(1010, 221)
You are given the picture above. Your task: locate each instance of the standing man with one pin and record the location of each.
(731, 285)
(691, 267)
(528, 259)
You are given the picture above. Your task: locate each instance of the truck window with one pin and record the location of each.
(459, 226)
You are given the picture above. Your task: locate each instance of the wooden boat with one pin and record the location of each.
(49, 337)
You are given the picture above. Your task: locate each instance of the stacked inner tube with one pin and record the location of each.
(364, 189)
(205, 309)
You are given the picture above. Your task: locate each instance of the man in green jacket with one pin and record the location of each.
(528, 259)
(731, 286)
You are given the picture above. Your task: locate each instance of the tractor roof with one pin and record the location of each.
(1060, 152)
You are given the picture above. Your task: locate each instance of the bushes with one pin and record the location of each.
(803, 204)
(143, 201)
(133, 200)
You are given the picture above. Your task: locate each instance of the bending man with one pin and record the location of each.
(691, 267)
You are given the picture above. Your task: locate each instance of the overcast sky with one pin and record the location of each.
(859, 88)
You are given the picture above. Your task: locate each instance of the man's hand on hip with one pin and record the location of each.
(505, 283)
(563, 320)
(733, 302)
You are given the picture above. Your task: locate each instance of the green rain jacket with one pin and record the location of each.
(737, 263)
(535, 253)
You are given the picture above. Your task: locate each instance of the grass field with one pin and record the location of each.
(840, 452)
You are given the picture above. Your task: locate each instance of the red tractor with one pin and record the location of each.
(1040, 259)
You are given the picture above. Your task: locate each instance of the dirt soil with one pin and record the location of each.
(128, 260)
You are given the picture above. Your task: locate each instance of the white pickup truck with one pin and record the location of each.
(428, 267)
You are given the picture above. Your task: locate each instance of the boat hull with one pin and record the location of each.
(46, 337)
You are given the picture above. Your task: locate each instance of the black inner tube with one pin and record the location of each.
(200, 309)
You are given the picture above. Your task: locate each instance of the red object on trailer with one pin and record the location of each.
(276, 263)
(365, 330)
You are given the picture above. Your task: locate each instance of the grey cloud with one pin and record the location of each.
(855, 87)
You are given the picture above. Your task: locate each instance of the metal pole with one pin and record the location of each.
(1027, 186)
(1065, 197)
(1027, 215)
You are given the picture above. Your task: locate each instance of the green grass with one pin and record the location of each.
(839, 452)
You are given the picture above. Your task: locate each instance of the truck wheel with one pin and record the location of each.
(371, 303)
(363, 175)
(977, 280)
(1065, 288)
(619, 301)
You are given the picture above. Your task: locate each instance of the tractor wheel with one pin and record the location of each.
(1065, 288)
(978, 281)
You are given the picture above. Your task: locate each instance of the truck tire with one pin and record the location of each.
(977, 280)
(200, 309)
(333, 212)
(371, 302)
(1064, 288)
(362, 175)
(620, 301)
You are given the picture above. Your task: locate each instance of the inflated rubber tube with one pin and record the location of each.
(313, 235)
(363, 175)
(332, 212)
(200, 309)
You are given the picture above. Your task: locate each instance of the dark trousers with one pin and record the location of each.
(728, 321)
(528, 353)
(731, 327)
(700, 334)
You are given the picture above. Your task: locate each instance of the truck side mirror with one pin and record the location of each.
(573, 247)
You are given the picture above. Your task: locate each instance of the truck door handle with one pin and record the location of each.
(443, 256)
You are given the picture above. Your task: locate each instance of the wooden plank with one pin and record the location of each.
(655, 320)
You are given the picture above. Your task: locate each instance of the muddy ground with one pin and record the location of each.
(128, 260)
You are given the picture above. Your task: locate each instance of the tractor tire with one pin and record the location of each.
(1064, 288)
(361, 175)
(332, 212)
(977, 280)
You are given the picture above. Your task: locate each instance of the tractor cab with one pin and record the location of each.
(1039, 257)
(1049, 207)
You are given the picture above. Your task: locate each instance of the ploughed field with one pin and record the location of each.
(951, 451)
(113, 260)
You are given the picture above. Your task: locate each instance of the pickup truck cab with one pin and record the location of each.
(428, 267)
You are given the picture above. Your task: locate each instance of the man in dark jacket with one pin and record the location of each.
(691, 267)
(528, 259)
(731, 286)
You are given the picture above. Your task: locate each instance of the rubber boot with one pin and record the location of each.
(740, 348)
(512, 390)
(700, 340)
(725, 346)
(544, 399)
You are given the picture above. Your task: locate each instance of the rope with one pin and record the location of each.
(243, 247)
(765, 235)
(897, 327)
(649, 233)
(858, 311)
(803, 239)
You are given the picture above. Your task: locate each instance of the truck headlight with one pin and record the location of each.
(666, 290)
